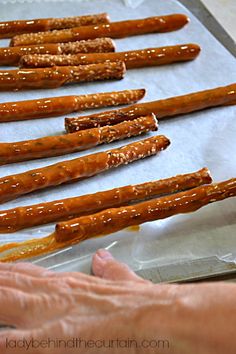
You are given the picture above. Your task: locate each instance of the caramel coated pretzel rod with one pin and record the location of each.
(115, 219)
(69, 143)
(14, 186)
(112, 220)
(68, 233)
(11, 28)
(59, 76)
(162, 108)
(132, 59)
(22, 217)
(12, 55)
(56, 106)
(113, 30)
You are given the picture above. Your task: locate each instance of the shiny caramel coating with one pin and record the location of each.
(22, 217)
(115, 219)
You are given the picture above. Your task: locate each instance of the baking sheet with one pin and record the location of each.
(198, 8)
(200, 139)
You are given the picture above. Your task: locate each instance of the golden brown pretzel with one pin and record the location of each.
(162, 108)
(69, 143)
(58, 76)
(22, 217)
(112, 220)
(11, 28)
(114, 30)
(12, 55)
(55, 106)
(132, 59)
(13, 186)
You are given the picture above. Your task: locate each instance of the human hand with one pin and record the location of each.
(58, 313)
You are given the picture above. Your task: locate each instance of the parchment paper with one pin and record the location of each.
(200, 139)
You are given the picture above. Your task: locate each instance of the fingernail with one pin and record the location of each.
(104, 254)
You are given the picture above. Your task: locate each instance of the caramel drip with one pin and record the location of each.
(22, 250)
(134, 228)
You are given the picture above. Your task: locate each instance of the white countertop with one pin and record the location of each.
(225, 12)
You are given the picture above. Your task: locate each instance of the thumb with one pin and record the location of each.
(106, 267)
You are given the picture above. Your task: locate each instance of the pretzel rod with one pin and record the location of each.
(12, 55)
(132, 59)
(59, 76)
(69, 143)
(56, 106)
(32, 215)
(15, 185)
(112, 220)
(113, 30)
(162, 108)
(12, 28)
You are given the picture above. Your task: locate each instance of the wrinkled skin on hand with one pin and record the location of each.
(115, 303)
